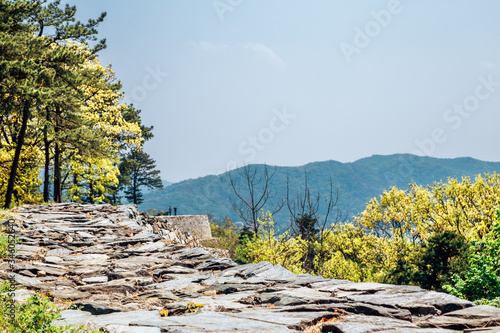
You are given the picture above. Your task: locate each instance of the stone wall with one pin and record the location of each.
(195, 225)
(130, 272)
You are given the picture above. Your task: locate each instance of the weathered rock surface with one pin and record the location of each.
(120, 268)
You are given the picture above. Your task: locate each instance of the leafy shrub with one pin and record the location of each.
(433, 265)
(481, 280)
(278, 250)
(33, 316)
(492, 302)
(225, 236)
(350, 253)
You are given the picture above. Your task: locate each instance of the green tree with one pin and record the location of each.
(37, 69)
(443, 255)
(141, 171)
(482, 279)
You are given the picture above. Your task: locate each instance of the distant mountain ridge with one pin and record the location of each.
(357, 182)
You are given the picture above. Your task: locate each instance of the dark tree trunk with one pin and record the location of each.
(17, 154)
(57, 160)
(134, 188)
(46, 178)
(91, 190)
(57, 174)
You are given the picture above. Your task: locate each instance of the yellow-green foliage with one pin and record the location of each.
(278, 250)
(408, 218)
(464, 207)
(393, 237)
(92, 177)
(353, 254)
(27, 181)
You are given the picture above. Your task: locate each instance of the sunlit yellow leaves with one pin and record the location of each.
(27, 181)
(91, 178)
(104, 109)
(354, 255)
(278, 250)
(464, 206)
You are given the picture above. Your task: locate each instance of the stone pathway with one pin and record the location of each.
(123, 268)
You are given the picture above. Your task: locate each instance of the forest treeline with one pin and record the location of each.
(444, 237)
(65, 134)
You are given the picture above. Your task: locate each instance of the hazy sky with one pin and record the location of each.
(288, 82)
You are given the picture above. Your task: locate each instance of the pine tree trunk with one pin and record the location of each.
(57, 161)
(135, 190)
(46, 178)
(57, 174)
(17, 154)
(91, 190)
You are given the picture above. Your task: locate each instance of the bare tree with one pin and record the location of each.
(252, 186)
(307, 221)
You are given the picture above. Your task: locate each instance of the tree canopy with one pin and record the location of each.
(61, 109)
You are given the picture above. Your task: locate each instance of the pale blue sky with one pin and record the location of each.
(288, 82)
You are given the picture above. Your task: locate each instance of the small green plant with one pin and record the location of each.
(493, 302)
(4, 238)
(4, 242)
(33, 316)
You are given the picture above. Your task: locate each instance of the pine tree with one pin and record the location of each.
(38, 69)
(139, 168)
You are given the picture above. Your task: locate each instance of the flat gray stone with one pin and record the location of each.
(84, 234)
(72, 317)
(419, 303)
(69, 294)
(43, 265)
(217, 264)
(53, 260)
(216, 322)
(131, 329)
(473, 317)
(233, 288)
(21, 295)
(174, 284)
(174, 270)
(60, 252)
(192, 253)
(94, 308)
(29, 252)
(367, 324)
(151, 247)
(95, 279)
(124, 318)
(25, 281)
(86, 257)
(273, 273)
(122, 286)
